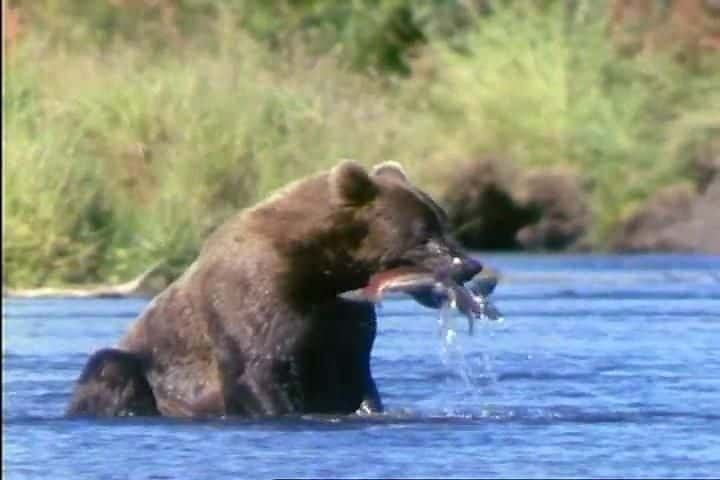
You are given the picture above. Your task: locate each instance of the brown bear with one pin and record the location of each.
(255, 326)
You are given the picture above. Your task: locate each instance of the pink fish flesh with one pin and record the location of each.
(414, 280)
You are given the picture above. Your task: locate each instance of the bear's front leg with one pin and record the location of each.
(254, 387)
(265, 389)
(371, 402)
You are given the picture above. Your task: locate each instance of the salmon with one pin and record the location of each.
(470, 300)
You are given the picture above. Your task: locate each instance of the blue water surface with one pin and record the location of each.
(604, 366)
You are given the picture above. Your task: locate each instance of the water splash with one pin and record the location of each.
(452, 352)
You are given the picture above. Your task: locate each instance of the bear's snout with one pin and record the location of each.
(448, 262)
(464, 268)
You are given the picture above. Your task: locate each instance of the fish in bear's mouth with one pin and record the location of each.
(432, 290)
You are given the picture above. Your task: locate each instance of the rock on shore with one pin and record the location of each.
(679, 218)
(493, 205)
(676, 219)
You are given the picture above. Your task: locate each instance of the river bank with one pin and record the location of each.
(131, 134)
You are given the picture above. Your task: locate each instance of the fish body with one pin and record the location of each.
(470, 300)
(396, 280)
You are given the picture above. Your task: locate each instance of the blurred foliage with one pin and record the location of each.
(546, 89)
(133, 127)
(367, 34)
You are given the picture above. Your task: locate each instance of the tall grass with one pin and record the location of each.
(550, 89)
(117, 158)
(121, 151)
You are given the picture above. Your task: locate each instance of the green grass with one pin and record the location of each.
(121, 151)
(551, 90)
(117, 158)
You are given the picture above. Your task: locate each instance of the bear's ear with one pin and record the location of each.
(390, 169)
(350, 184)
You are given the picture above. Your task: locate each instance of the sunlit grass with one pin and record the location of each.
(551, 90)
(119, 155)
(116, 159)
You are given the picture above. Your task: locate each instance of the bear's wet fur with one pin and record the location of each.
(255, 326)
(113, 383)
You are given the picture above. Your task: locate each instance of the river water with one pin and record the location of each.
(603, 366)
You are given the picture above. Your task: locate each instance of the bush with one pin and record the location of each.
(134, 127)
(546, 87)
(119, 157)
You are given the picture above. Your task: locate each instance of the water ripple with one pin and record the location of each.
(524, 415)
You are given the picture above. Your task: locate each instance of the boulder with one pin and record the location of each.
(556, 194)
(492, 205)
(700, 232)
(676, 219)
(645, 229)
(482, 209)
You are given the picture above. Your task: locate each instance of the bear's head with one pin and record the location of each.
(369, 222)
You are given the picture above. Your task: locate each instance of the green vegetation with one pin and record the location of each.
(131, 131)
